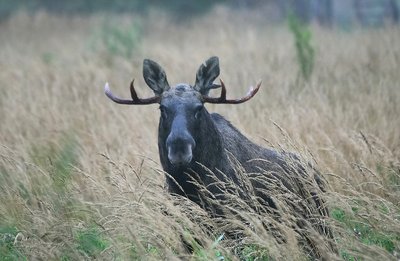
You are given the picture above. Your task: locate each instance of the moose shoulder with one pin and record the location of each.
(197, 148)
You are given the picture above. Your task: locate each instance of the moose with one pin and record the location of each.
(197, 148)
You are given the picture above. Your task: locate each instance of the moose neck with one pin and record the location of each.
(209, 151)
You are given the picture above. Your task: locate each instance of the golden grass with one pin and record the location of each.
(72, 162)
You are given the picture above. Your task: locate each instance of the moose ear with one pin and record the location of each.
(206, 75)
(155, 76)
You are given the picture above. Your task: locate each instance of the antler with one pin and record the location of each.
(222, 97)
(135, 99)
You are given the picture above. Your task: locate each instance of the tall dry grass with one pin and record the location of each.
(79, 175)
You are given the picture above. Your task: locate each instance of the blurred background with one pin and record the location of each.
(324, 12)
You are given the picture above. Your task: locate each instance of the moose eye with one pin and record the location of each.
(197, 111)
(163, 111)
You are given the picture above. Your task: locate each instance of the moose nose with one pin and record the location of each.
(180, 149)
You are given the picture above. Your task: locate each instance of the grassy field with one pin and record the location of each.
(80, 176)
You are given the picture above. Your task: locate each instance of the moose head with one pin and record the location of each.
(183, 115)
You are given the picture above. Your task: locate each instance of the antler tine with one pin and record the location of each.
(133, 91)
(135, 99)
(222, 99)
(223, 91)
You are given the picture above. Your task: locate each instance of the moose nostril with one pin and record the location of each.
(181, 156)
(180, 142)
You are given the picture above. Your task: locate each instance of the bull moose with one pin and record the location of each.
(197, 148)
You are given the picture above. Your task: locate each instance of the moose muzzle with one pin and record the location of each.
(180, 144)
